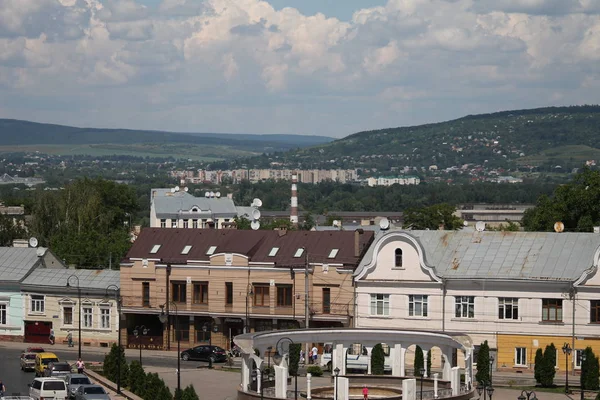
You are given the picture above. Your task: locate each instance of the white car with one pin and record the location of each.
(48, 388)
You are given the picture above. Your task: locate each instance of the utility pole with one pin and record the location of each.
(572, 296)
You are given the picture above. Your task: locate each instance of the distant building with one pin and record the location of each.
(492, 214)
(15, 180)
(392, 180)
(258, 175)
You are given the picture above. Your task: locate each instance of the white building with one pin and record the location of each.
(391, 180)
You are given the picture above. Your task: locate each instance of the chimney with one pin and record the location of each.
(357, 234)
(294, 211)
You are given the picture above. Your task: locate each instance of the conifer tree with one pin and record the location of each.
(483, 363)
(377, 360)
(539, 363)
(548, 370)
(419, 361)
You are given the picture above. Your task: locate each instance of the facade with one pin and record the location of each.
(392, 180)
(257, 175)
(170, 208)
(518, 290)
(216, 284)
(492, 214)
(48, 303)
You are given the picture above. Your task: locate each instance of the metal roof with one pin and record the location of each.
(501, 255)
(88, 278)
(169, 204)
(17, 262)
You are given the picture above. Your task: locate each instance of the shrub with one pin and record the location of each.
(539, 363)
(590, 370)
(483, 363)
(137, 378)
(294, 358)
(156, 389)
(377, 360)
(110, 366)
(189, 393)
(314, 370)
(429, 363)
(419, 361)
(547, 371)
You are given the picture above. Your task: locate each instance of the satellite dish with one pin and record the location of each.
(207, 194)
(172, 190)
(33, 242)
(384, 224)
(255, 213)
(480, 226)
(257, 203)
(559, 227)
(218, 194)
(336, 223)
(212, 194)
(186, 188)
(255, 225)
(465, 223)
(177, 188)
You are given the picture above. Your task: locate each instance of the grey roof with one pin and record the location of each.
(88, 278)
(502, 255)
(171, 205)
(17, 262)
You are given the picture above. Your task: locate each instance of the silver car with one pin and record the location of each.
(28, 361)
(91, 392)
(74, 381)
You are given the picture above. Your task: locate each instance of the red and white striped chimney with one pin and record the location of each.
(294, 211)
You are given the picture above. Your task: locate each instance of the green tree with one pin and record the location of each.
(156, 388)
(432, 217)
(189, 393)
(10, 229)
(548, 369)
(539, 364)
(377, 360)
(419, 362)
(309, 222)
(242, 222)
(137, 378)
(429, 363)
(110, 365)
(590, 370)
(483, 363)
(294, 358)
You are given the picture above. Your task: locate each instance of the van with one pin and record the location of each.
(48, 388)
(42, 360)
(356, 358)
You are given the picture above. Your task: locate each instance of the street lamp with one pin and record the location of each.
(164, 318)
(210, 327)
(281, 352)
(491, 369)
(485, 388)
(136, 332)
(336, 371)
(530, 395)
(79, 301)
(118, 300)
(567, 350)
(422, 371)
(249, 294)
(581, 376)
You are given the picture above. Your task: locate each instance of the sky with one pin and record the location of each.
(312, 67)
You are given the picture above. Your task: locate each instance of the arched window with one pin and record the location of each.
(398, 258)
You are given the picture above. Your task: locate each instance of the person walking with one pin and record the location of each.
(80, 366)
(70, 339)
(2, 388)
(51, 337)
(365, 392)
(314, 354)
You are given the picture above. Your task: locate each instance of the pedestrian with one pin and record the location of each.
(315, 354)
(70, 338)
(80, 366)
(365, 392)
(51, 338)
(2, 388)
(301, 356)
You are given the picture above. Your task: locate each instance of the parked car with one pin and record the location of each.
(58, 369)
(28, 361)
(48, 388)
(74, 381)
(42, 360)
(204, 353)
(91, 392)
(35, 349)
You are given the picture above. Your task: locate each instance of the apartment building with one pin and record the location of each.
(520, 291)
(393, 180)
(215, 284)
(257, 175)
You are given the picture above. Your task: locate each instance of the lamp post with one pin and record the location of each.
(282, 351)
(567, 351)
(485, 388)
(422, 371)
(336, 372)
(581, 376)
(118, 300)
(491, 369)
(136, 332)
(164, 318)
(527, 395)
(210, 327)
(79, 301)
(249, 294)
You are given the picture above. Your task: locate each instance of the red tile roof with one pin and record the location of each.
(255, 244)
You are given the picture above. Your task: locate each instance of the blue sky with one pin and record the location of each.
(241, 66)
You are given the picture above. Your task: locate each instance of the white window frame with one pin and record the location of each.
(4, 305)
(105, 317)
(577, 358)
(85, 315)
(520, 359)
(299, 252)
(155, 249)
(211, 250)
(462, 307)
(163, 223)
(195, 223)
(513, 302)
(273, 251)
(379, 300)
(186, 249)
(333, 253)
(186, 224)
(173, 223)
(67, 304)
(421, 300)
(37, 306)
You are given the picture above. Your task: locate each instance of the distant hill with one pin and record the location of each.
(566, 136)
(25, 133)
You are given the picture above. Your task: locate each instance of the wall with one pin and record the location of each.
(13, 330)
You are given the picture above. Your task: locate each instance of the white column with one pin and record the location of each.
(403, 361)
(425, 362)
(369, 350)
(395, 355)
(343, 388)
(455, 381)
(409, 389)
(308, 395)
(447, 357)
(435, 385)
(281, 377)
(339, 358)
(246, 365)
(258, 380)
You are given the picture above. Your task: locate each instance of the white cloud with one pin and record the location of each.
(407, 62)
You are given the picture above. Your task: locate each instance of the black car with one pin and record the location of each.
(204, 353)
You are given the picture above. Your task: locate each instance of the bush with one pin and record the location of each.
(314, 370)
(110, 366)
(547, 371)
(483, 363)
(294, 358)
(429, 363)
(137, 378)
(590, 370)
(539, 364)
(189, 393)
(377, 360)
(419, 361)
(156, 389)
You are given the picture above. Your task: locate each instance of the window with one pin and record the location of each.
(299, 252)
(163, 223)
(465, 307)
(508, 308)
(186, 249)
(398, 259)
(211, 250)
(595, 311)
(326, 300)
(551, 310)
(68, 315)
(201, 293)
(3, 314)
(173, 223)
(87, 317)
(417, 305)
(186, 223)
(179, 292)
(284, 295)
(105, 318)
(37, 303)
(578, 358)
(155, 249)
(261, 296)
(229, 293)
(333, 253)
(273, 251)
(380, 304)
(521, 356)
(146, 294)
(195, 223)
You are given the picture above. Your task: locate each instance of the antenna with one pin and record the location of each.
(559, 227)
(255, 225)
(384, 224)
(480, 226)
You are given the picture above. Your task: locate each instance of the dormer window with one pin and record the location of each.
(211, 250)
(273, 251)
(195, 209)
(333, 253)
(398, 258)
(299, 252)
(155, 249)
(186, 249)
